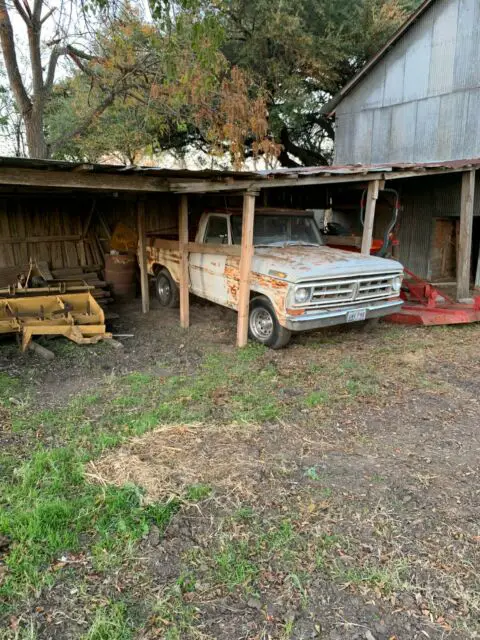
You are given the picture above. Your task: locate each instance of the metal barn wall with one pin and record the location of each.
(421, 102)
(423, 200)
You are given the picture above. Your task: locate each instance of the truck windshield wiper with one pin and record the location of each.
(289, 243)
(301, 243)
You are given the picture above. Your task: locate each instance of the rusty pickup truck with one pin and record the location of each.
(297, 283)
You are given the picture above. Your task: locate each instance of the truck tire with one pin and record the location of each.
(166, 289)
(264, 327)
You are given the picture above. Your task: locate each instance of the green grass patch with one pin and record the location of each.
(240, 555)
(197, 492)
(235, 565)
(316, 398)
(110, 623)
(172, 617)
(49, 508)
(387, 579)
(9, 386)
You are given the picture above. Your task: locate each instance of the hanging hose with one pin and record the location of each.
(387, 240)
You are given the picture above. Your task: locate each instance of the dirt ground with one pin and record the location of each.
(346, 509)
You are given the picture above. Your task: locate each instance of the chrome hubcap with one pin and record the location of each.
(261, 324)
(164, 290)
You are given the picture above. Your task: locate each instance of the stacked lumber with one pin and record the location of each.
(90, 275)
(42, 281)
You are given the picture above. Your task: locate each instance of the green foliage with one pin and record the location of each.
(301, 53)
(316, 398)
(176, 84)
(146, 89)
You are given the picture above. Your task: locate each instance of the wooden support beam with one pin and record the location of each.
(82, 180)
(219, 249)
(184, 278)
(293, 180)
(36, 239)
(477, 274)
(142, 255)
(465, 236)
(197, 247)
(372, 196)
(245, 268)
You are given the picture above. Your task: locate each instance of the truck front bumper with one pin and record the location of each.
(331, 317)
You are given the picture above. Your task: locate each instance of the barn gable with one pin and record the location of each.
(420, 100)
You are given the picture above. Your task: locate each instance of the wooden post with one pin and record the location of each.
(465, 236)
(477, 274)
(245, 266)
(184, 279)
(142, 256)
(372, 196)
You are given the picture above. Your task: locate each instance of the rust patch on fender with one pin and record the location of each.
(232, 278)
(272, 287)
(295, 312)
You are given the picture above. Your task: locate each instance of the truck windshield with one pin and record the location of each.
(279, 230)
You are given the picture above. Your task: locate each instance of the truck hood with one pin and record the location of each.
(300, 263)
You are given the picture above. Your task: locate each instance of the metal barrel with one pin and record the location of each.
(120, 273)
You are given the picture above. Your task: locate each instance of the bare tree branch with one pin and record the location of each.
(52, 67)
(33, 32)
(27, 8)
(47, 15)
(25, 17)
(7, 44)
(37, 10)
(74, 53)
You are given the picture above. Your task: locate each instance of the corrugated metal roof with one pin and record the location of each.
(238, 179)
(63, 165)
(330, 107)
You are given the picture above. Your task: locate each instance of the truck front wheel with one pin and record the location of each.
(264, 327)
(166, 289)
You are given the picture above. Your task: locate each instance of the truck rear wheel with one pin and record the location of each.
(166, 289)
(264, 327)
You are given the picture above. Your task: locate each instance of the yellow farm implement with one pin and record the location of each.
(77, 316)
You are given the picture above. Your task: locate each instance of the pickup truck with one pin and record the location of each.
(297, 283)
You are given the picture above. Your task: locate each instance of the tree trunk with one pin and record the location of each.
(37, 145)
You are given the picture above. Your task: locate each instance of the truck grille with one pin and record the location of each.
(341, 291)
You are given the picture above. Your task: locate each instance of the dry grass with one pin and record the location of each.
(169, 459)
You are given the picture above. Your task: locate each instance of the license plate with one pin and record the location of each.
(357, 315)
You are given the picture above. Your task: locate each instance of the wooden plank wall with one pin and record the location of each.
(46, 230)
(51, 229)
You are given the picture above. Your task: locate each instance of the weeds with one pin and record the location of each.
(52, 516)
(110, 623)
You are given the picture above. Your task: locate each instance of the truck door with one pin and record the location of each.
(207, 270)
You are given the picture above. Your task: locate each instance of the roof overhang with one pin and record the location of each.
(44, 175)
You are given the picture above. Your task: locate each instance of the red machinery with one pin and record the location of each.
(425, 304)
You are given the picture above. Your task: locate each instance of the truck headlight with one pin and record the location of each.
(302, 295)
(397, 284)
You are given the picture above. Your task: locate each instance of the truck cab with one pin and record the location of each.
(297, 282)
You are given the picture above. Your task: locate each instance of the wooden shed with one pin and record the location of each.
(62, 213)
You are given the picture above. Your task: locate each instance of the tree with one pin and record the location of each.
(171, 87)
(30, 104)
(11, 125)
(129, 83)
(301, 53)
